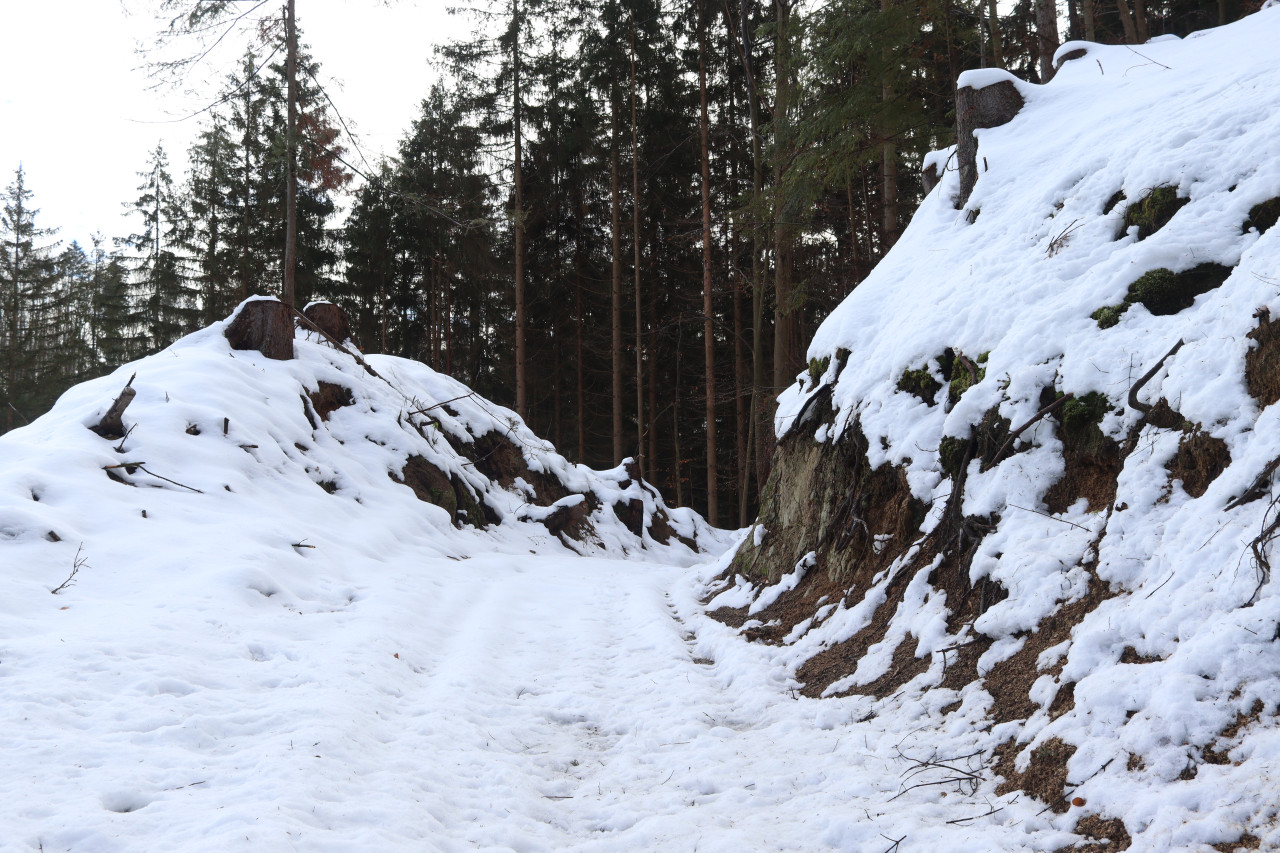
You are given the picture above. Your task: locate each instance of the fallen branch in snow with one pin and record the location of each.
(1258, 488)
(1053, 517)
(1134, 402)
(962, 777)
(1259, 545)
(130, 467)
(1057, 244)
(895, 844)
(962, 820)
(337, 344)
(1017, 432)
(77, 564)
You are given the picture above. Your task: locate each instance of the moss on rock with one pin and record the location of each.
(920, 382)
(1153, 211)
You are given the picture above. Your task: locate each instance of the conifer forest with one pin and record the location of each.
(620, 218)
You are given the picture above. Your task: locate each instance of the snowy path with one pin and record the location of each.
(496, 703)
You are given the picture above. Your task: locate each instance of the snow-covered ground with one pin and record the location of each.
(268, 642)
(532, 703)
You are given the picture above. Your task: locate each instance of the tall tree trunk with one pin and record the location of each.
(287, 295)
(1047, 36)
(1090, 26)
(761, 431)
(1126, 21)
(522, 355)
(615, 294)
(581, 384)
(708, 316)
(635, 238)
(786, 342)
(997, 40)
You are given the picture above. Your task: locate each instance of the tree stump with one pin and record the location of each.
(329, 319)
(265, 325)
(987, 104)
(112, 424)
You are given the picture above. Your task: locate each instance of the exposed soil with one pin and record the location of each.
(1092, 470)
(1046, 776)
(1211, 753)
(1107, 835)
(834, 663)
(1010, 680)
(328, 398)
(1248, 841)
(1262, 361)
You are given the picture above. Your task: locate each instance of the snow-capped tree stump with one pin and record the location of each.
(929, 177)
(265, 325)
(329, 319)
(981, 102)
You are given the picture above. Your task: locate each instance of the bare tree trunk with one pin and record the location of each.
(785, 332)
(1126, 21)
(1090, 26)
(635, 237)
(889, 171)
(708, 316)
(522, 355)
(1046, 36)
(997, 41)
(615, 307)
(287, 294)
(1140, 20)
(581, 383)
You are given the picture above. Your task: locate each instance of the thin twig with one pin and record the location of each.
(77, 564)
(1017, 432)
(1053, 517)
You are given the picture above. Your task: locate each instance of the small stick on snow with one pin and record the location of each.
(77, 564)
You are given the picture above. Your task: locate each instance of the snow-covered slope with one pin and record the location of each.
(287, 458)
(1019, 531)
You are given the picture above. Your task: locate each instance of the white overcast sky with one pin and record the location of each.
(76, 112)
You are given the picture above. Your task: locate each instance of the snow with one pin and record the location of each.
(270, 644)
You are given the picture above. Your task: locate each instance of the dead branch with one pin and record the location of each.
(1260, 544)
(1258, 488)
(1017, 432)
(112, 425)
(1134, 402)
(896, 841)
(1052, 517)
(77, 564)
(130, 467)
(334, 342)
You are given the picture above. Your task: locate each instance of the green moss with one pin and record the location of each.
(962, 380)
(919, 382)
(951, 453)
(1153, 211)
(1080, 413)
(1109, 315)
(1163, 291)
(818, 367)
(1263, 216)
